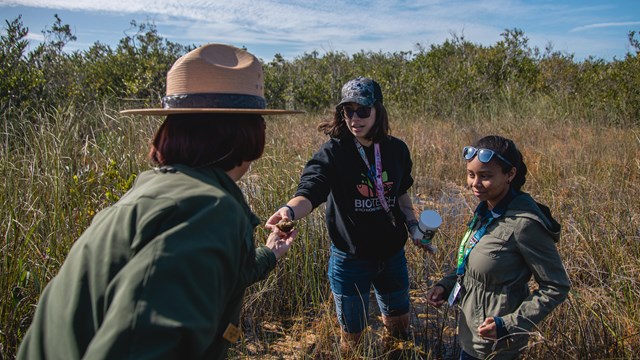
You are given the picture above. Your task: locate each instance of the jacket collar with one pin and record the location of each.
(216, 176)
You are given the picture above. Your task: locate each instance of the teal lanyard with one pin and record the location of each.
(469, 242)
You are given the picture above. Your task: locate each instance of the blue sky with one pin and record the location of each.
(292, 27)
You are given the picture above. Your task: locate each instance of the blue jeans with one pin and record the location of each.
(351, 279)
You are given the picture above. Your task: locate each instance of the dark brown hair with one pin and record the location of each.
(337, 127)
(507, 149)
(197, 140)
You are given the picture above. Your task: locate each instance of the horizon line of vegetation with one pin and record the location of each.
(440, 81)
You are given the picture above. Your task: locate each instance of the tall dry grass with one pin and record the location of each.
(64, 169)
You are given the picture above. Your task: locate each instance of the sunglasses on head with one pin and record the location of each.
(362, 111)
(484, 155)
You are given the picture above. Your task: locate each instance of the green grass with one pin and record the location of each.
(62, 168)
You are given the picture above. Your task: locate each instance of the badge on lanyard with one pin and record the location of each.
(454, 293)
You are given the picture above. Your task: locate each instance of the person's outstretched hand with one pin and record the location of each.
(282, 213)
(279, 242)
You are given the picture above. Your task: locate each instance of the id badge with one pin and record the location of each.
(454, 294)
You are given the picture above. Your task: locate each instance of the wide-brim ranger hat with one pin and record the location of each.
(361, 90)
(214, 78)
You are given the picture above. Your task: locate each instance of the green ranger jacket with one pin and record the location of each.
(160, 274)
(519, 244)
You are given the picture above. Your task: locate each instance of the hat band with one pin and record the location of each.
(210, 101)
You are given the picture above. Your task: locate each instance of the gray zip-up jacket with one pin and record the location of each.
(517, 245)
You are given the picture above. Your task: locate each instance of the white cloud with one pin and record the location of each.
(35, 36)
(296, 26)
(605, 25)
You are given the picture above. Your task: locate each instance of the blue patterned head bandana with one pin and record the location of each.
(361, 90)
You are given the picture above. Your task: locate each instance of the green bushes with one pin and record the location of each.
(47, 77)
(450, 79)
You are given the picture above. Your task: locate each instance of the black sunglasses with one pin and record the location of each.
(484, 155)
(363, 112)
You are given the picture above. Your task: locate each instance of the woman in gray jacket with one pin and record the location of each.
(510, 238)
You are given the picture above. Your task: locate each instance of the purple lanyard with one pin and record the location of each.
(378, 176)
